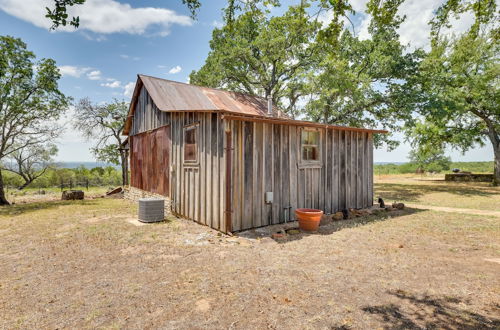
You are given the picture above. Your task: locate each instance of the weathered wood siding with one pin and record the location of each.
(198, 189)
(146, 115)
(266, 158)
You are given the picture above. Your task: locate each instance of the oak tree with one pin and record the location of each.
(30, 100)
(104, 123)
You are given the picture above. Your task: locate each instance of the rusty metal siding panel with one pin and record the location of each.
(149, 159)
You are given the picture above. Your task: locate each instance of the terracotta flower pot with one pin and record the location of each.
(308, 218)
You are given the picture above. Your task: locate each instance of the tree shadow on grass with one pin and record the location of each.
(328, 228)
(412, 193)
(18, 209)
(431, 312)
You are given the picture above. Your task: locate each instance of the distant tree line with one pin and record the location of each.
(68, 177)
(434, 167)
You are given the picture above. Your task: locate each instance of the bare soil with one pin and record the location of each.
(87, 264)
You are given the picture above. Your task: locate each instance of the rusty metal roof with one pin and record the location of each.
(173, 96)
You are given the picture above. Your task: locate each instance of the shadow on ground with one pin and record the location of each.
(326, 229)
(335, 226)
(17, 209)
(412, 193)
(432, 312)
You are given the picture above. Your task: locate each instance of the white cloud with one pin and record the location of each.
(99, 16)
(114, 84)
(129, 89)
(175, 69)
(72, 71)
(415, 30)
(94, 75)
(95, 37)
(217, 24)
(128, 57)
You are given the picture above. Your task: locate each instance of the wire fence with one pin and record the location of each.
(65, 185)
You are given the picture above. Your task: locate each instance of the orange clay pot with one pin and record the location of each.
(308, 218)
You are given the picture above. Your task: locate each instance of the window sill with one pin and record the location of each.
(197, 164)
(309, 165)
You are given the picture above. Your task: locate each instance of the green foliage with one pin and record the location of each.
(59, 16)
(31, 161)
(456, 90)
(474, 167)
(340, 78)
(358, 82)
(30, 100)
(52, 177)
(407, 168)
(484, 12)
(261, 55)
(430, 160)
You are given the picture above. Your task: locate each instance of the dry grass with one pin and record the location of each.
(433, 190)
(84, 265)
(30, 195)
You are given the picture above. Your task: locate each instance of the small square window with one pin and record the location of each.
(310, 145)
(190, 144)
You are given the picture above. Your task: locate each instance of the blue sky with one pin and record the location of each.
(119, 39)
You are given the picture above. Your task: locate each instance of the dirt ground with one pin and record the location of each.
(90, 264)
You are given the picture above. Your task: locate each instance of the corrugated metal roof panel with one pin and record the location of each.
(171, 96)
(175, 96)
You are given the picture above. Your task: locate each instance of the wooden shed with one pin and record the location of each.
(233, 162)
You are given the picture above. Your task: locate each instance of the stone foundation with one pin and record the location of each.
(134, 194)
(465, 177)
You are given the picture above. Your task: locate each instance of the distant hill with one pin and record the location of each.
(86, 164)
(385, 163)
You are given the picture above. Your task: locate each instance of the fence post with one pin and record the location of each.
(70, 184)
(62, 185)
(87, 183)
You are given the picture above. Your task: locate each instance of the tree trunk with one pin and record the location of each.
(496, 163)
(3, 200)
(25, 184)
(495, 141)
(124, 165)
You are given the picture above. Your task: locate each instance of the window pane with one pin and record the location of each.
(314, 138)
(304, 136)
(310, 145)
(190, 151)
(310, 153)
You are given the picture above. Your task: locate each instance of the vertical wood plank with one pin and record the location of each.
(277, 173)
(248, 175)
(268, 169)
(222, 173)
(342, 172)
(258, 183)
(293, 170)
(285, 173)
(215, 170)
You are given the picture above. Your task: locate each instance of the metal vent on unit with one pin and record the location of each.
(151, 209)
